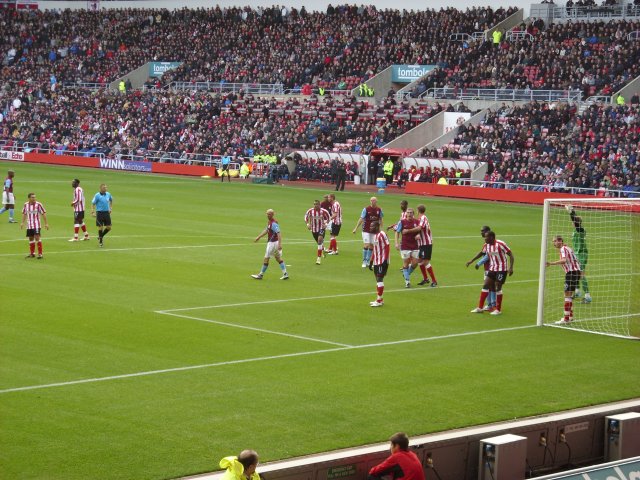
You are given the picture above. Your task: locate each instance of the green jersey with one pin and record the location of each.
(579, 240)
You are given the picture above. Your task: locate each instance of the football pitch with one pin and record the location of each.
(157, 355)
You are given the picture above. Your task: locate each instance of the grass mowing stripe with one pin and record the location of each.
(245, 327)
(323, 297)
(259, 359)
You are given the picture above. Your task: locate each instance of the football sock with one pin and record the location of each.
(39, 248)
(423, 269)
(333, 245)
(4, 209)
(105, 231)
(11, 213)
(369, 254)
(585, 285)
(499, 300)
(405, 274)
(484, 293)
(319, 250)
(411, 269)
(264, 268)
(430, 270)
(492, 299)
(84, 228)
(32, 247)
(364, 254)
(380, 290)
(283, 267)
(568, 308)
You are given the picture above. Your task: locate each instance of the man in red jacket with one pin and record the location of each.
(402, 464)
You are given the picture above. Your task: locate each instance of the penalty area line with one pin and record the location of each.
(256, 359)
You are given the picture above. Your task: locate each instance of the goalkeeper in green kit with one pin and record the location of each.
(579, 241)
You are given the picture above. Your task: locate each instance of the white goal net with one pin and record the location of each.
(604, 235)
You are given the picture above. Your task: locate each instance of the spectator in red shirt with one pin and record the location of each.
(402, 464)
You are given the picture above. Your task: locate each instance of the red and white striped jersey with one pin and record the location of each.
(78, 200)
(424, 237)
(497, 255)
(380, 248)
(317, 219)
(33, 212)
(336, 213)
(571, 263)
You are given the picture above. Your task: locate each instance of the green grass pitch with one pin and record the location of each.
(123, 391)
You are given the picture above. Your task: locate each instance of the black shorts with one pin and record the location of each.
(318, 234)
(424, 252)
(103, 219)
(32, 232)
(78, 217)
(380, 270)
(498, 276)
(572, 280)
(335, 229)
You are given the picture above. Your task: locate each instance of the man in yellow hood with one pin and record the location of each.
(242, 467)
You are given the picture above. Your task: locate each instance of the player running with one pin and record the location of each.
(78, 211)
(317, 219)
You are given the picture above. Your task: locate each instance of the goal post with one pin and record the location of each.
(604, 234)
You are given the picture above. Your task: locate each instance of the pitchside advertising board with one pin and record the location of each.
(409, 73)
(13, 156)
(157, 69)
(112, 164)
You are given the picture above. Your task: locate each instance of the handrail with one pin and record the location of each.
(635, 35)
(518, 35)
(256, 88)
(331, 91)
(540, 188)
(596, 11)
(86, 85)
(503, 94)
(459, 37)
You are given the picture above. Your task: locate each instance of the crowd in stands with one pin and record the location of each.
(191, 125)
(593, 57)
(554, 147)
(339, 48)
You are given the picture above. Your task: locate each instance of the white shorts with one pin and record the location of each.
(409, 254)
(8, 198)
(368, 237)
(272, 249)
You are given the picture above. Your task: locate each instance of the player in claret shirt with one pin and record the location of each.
(274, 246)
(371, 213)
(408, 246)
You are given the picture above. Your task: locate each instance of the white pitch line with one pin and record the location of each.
(255, 359)
(255, 329)
(322, 297)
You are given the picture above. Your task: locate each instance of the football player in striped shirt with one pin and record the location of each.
(31, 213)
(336, 224)
(573, 272)
(78, 211)
(317, 219)
(498, 253)
(380, 260)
